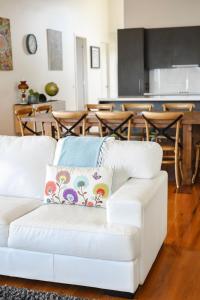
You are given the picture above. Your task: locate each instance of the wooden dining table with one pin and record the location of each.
(190, 132)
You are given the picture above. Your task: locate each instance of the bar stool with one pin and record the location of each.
(197, 162)
(178, 107)
(114, 123)
(100, 107)
(68, 123)
(137, 108)
(25, 128)
(171, 145)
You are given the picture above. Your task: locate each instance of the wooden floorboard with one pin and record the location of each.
(175, 274)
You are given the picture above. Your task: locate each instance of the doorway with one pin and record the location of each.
(81, 72)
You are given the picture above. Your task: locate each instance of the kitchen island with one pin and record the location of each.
(157, 101)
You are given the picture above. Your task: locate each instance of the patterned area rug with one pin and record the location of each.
(12, 293)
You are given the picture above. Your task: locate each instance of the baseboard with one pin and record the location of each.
(119, 294)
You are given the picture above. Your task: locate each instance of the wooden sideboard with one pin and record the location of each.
(56, 105)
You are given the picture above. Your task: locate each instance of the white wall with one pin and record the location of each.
(161, 13)
(86, 18)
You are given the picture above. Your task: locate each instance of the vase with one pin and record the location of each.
(23, 87)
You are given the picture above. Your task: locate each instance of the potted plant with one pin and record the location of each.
(33, 97)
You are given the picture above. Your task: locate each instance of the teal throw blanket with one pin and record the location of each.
(80, 151)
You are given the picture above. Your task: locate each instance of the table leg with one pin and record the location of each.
(187, 154)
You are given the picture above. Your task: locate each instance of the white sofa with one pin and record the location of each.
(112, 248)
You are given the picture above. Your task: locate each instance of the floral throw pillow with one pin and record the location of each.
(78, 186)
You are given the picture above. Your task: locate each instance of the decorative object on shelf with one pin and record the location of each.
(42, 98)
(33, 97)
(31, 43)
(51, 89)
(6, 63)
(55, 51)
(95, 57)
(23, 87)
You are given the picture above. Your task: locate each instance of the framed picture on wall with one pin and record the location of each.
(95, 57)
(6, 62)
(55, 50)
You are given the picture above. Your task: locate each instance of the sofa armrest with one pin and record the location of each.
(127, 204)
(142, 203)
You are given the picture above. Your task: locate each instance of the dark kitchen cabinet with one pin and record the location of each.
(165, 47)
(132, 77)
(186, 45)
(142, 49)
(158, 44)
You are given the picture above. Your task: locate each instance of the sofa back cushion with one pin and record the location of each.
(23, 163)
(132, 159)
(128, 159)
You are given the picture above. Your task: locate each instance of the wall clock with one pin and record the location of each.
(31, 43)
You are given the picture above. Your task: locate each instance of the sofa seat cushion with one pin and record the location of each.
(74, 231)
(12, 208)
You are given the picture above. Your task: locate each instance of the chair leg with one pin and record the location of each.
(42, 125)
(129, 131)
(180, 164)
(21, 128)
(181, 169)
(196, 164)
(100, 130)
(34, 126)
(83, 128)
(177, 173)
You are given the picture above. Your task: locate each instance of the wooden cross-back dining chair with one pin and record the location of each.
(162, 122)
(25, 128)
(46, 108)
(100, 107)
(69, 123)
(114, 123)
(136, 108)
(94, 130)
(178, 107)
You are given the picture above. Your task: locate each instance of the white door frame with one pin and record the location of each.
(85, 71)
(106, 48)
